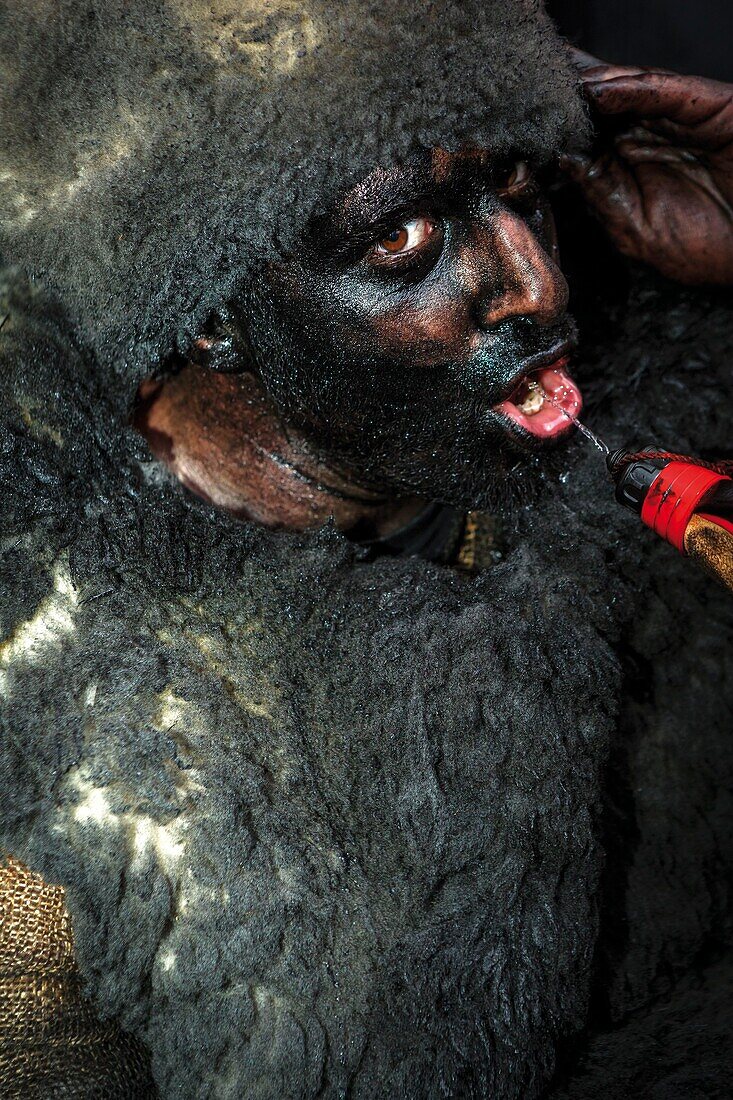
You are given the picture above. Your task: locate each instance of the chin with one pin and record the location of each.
(497, 477)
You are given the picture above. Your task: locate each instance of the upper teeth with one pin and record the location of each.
(534, 400)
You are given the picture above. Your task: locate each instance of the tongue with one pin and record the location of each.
(553, 417)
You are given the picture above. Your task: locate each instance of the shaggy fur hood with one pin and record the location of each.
(332, 826)
(153, 154)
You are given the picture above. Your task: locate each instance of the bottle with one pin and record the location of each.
(688, 504)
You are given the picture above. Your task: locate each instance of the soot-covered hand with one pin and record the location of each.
(661, 176)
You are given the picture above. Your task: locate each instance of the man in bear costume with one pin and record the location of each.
(330, 821)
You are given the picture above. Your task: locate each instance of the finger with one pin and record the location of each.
(592, 68)
(586, 62)
(675, 164)
(600, 176)
(685, 100)
(611, 191)
(575, 165)
(640, 147)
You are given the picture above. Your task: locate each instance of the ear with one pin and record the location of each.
(220, 346)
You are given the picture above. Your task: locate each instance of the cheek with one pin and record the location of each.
(425, 327)
(428, 332)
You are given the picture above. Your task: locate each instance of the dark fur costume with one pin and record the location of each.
(330, 827)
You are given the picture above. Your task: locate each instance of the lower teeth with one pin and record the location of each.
(534, 400)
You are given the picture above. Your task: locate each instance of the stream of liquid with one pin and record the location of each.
(591, 436)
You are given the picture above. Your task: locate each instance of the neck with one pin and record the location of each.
(222, 438)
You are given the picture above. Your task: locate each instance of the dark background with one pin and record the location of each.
(690, 36)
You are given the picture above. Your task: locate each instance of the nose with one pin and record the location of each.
(524, 281)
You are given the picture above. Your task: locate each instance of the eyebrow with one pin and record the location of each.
(383, 199)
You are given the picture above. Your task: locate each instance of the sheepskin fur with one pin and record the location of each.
(334, 827)
(153, 152)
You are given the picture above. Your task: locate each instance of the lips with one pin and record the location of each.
(544, 402)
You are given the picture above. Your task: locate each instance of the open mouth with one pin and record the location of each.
(545, 402)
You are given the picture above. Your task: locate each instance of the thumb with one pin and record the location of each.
(576, 166)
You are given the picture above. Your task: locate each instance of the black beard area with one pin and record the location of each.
(485, 474)
(516, 481)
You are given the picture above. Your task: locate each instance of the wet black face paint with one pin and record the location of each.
(392, 371)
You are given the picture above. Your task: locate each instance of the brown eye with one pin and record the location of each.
(396, 241)
(405, 238)
(515, 179)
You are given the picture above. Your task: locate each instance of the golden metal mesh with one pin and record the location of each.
(712, 547)
(51, 1044)
(478, 543)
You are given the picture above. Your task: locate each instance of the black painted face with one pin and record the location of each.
(414, 307)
